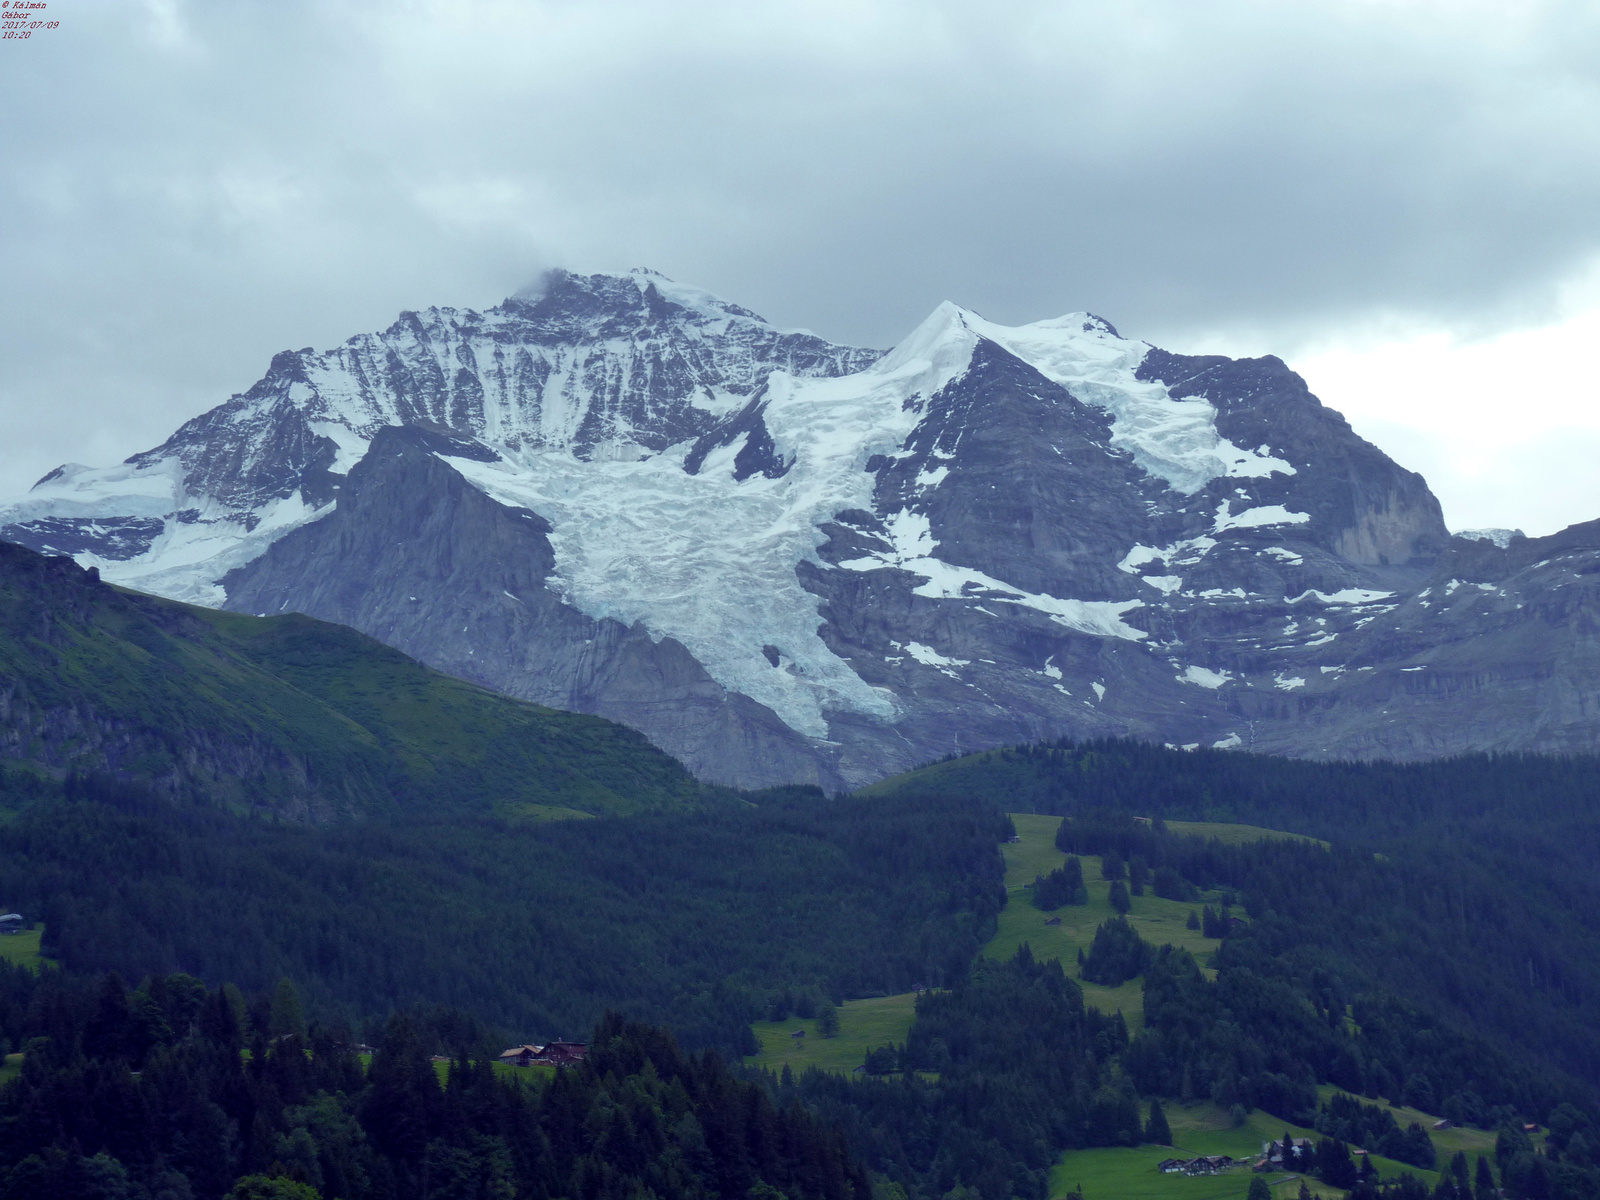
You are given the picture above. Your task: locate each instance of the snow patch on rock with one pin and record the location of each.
(1205, 677)
(929, 657)
(1341, 597)
(912, 547)
(1174, 440)
(1254, 518)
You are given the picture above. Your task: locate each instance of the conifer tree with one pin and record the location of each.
(1483, 1179)
(1259, 1189)
(1194, 920)
(1156, 1129)
(828, 1020)
(1119, 896)
(1334, 1165)
(287, 1018)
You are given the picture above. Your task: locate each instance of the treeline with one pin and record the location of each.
(173, 1092)
(1333, 801)
(696, 920)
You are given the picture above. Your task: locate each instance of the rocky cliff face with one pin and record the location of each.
(789, 561)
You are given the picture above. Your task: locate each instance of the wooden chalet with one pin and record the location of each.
(564, 1053)
(1206, 1164)
(521, 1056)
(557, 1053)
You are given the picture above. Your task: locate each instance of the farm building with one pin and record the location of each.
(521, 1056)
(1272, 1153)
(1206, 1164)
(552, 1053)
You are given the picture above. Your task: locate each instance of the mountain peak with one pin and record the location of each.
(989, 533)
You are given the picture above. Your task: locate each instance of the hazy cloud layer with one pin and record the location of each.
(186, 188)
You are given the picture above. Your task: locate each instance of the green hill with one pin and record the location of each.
(287, 714)
(1437, 901)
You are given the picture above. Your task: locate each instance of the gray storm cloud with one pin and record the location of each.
(186, 188)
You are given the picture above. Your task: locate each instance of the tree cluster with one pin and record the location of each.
(1117, 954)
(175, 1092)
(1060, 887)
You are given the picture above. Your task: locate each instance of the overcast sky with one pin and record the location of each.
(1400, 199)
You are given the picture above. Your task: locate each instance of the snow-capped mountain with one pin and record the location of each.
(785, 560)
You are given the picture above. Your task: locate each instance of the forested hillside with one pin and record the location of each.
(298, 717)
(1464, 888)
(1009, 1070)
(175, 1091)
(539, 927)
(1442, 950)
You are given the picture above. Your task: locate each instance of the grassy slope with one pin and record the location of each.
(1158, 921)
(1204, 1129)
(23, 948)
(471, 743)
(1197, 1129)
(268, 701)
(863, 1025)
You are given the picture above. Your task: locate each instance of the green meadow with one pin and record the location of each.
(863, 1025)
(1159, 922)
(23, 948)
(538, 1073)
(1129, 1173)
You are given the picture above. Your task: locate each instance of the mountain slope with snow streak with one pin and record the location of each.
(785, 560)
